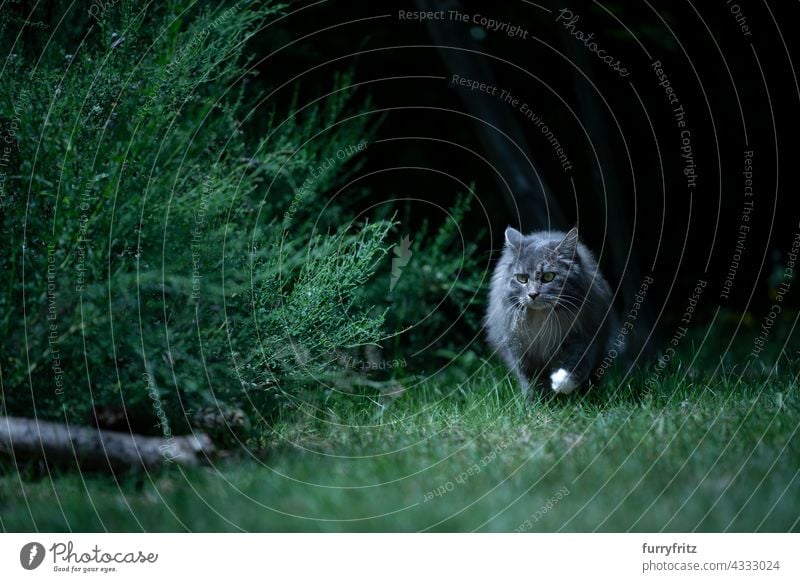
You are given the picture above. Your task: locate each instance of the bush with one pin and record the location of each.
(434, 293)
(156, 261)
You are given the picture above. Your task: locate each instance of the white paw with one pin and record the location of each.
(562, 381)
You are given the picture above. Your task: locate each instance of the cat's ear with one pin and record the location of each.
(513, 237)
(569, 244)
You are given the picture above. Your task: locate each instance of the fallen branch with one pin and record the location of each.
(94, 448)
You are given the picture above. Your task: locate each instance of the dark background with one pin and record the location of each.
(630, 201)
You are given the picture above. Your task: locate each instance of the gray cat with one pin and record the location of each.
(549, 315)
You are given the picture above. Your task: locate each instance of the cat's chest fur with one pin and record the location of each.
(538, 335)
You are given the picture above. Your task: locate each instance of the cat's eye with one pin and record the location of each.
(548, 276)
(521, 278)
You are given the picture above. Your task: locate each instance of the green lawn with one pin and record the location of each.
(719, 455)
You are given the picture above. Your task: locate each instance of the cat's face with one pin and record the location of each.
(538, 267)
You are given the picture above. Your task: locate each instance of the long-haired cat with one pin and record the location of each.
(549, 315)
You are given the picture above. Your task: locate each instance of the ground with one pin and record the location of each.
(685, 454)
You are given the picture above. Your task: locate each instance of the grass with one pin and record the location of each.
(688, 455)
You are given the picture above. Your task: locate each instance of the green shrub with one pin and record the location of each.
(434, 293)
(154, 260)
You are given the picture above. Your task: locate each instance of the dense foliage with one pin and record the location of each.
(158, 260)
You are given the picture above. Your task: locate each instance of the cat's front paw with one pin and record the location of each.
(562, 382)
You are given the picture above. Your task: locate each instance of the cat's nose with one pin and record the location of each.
(533, 295)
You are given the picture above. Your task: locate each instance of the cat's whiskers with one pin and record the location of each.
(568, 304)
(556, 301)
(573, 301)
(514, 310)
(582, 300)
